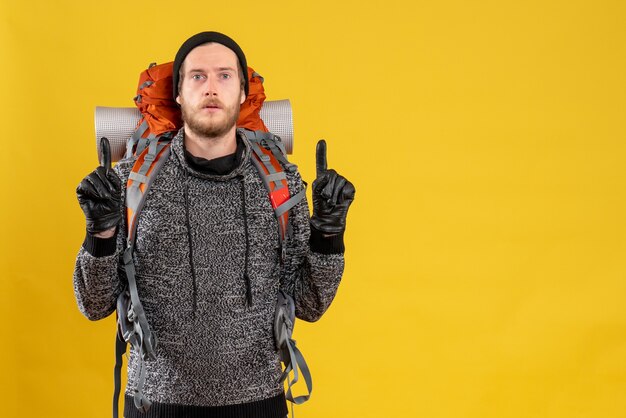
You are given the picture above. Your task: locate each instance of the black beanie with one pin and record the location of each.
(203, 38)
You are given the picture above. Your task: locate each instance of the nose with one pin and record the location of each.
(210, 87)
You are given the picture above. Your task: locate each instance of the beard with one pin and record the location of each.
(207, 125)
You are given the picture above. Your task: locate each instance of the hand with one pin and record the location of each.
(332, 196)
(100, 195)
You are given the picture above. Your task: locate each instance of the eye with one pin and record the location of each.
(225, 76)
(197, 76)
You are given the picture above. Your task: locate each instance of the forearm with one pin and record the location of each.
(315, 284)
(96, 284)
(313, 266)
(96, 279)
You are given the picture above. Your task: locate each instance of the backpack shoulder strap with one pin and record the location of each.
(133, 325)
(147, 165)
(269, 159)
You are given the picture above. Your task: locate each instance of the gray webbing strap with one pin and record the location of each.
(280, 145)
(145, 84)
(263, 163)
(283, 229)
(256, 135)
(145, 143)
(141, 339)
(255, 74)
(134, 139)
(275, 177)
(278, 149)
(289, 353)
(260, 170)
(138, 177)
(136, 314)
(135, 203)
(267, 163)
(293, 201)
(140, 130)
(153, 150)
(135, 198)
(150, 143)
(141, 402)
(141, 145)
(297, 362)
(272, 143)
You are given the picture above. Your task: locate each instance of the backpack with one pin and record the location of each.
(150, 143)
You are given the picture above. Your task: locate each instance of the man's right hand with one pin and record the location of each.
(100, 195)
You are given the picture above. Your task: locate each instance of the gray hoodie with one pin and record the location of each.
(193, 246)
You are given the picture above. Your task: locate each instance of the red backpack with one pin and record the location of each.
(161, 113)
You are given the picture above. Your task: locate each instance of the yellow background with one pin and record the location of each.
(485, 250)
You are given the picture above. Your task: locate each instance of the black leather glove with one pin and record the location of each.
(100, 194)
(332, 196)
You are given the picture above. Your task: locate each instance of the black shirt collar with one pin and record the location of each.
(217, 166)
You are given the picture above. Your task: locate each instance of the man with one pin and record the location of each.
(208, 260)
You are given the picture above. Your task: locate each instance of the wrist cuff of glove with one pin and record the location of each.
(326, 245)
(100, 247)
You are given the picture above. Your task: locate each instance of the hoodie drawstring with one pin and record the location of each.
(189, 237)
(245, 227)
(246, 277)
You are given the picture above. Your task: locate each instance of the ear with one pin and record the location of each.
(242, 98)
(178, 99)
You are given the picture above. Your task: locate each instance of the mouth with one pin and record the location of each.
(212, 106)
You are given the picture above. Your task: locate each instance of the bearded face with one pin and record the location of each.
(211, 91)
(211, 118)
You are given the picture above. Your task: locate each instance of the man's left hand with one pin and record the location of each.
(332, 196)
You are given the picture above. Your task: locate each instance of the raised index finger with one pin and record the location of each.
(105, 153)
(320, 157)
